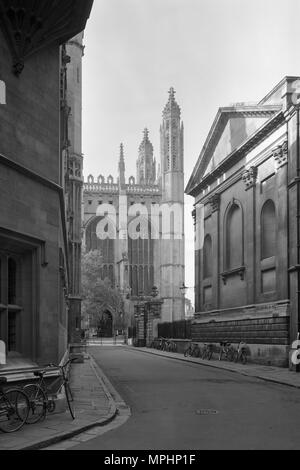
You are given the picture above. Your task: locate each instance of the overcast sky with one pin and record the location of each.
(213, 52)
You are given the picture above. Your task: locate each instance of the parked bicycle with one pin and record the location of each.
(42, 398)
(170, 346)
(207, 351)
(14, 408)
(227, 351)
(241, 353)
(192, 351)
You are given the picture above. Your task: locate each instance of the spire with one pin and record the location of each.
(122, 167)
(122, 153)
(146, 173)
(146, 135)
(171, 107)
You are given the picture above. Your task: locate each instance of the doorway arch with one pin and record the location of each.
(105, 325)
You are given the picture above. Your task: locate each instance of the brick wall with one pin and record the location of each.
(260, 331)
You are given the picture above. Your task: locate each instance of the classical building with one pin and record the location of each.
(246, 190)
(40, 173)
(137, 265)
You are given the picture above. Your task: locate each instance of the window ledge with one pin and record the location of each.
(268, 263)
(233, 272)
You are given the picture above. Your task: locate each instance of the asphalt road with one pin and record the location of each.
(167, 399)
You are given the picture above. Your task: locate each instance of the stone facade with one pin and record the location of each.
(136, 266)
(34, 229)
(245, 187)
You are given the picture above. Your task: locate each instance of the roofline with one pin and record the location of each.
(278, 86)
(250, 143)
(228, 110)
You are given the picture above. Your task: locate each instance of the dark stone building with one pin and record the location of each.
(37, 188)
(246, 190)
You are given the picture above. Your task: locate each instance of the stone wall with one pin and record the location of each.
(31, 203)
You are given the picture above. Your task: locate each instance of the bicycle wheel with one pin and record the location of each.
(187, 352)
(204, 354)
(70, 399)
(196, 352)
(37, 402)
(231, 355)
(14, 409)
(244, 357)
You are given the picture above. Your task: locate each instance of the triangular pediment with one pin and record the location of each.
(231, 128)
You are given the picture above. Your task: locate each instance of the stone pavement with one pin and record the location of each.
(269, 373)
(94, 405)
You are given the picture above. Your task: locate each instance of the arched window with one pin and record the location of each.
(234, 237)
(268, 230)
(207, 257)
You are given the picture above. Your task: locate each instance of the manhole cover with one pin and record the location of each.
(207, 412)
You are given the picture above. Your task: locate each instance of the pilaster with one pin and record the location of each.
(249, 178)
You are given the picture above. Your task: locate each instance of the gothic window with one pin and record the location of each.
(207, 257)
(134, 286)
(140, 255)
(141, 280)
(268, 230)
(106, 246)
(105, 272)
(147, 288)
(234, 249)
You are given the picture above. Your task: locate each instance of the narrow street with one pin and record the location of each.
(170, 401)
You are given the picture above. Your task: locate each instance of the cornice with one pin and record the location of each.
(29, 26)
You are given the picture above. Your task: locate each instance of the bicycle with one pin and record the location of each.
(41, 397)
(162, 344)
(227, 351)
(241, 353)
(207, 351)
(192, 351)
(14, 408)
(170, 346)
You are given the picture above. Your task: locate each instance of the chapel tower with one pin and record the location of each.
(172, 220)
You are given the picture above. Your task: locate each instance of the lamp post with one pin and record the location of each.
(184, 290)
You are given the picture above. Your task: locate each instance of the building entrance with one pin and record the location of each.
(105, 325)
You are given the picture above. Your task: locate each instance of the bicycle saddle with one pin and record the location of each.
(3, 380)
(39, 373)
